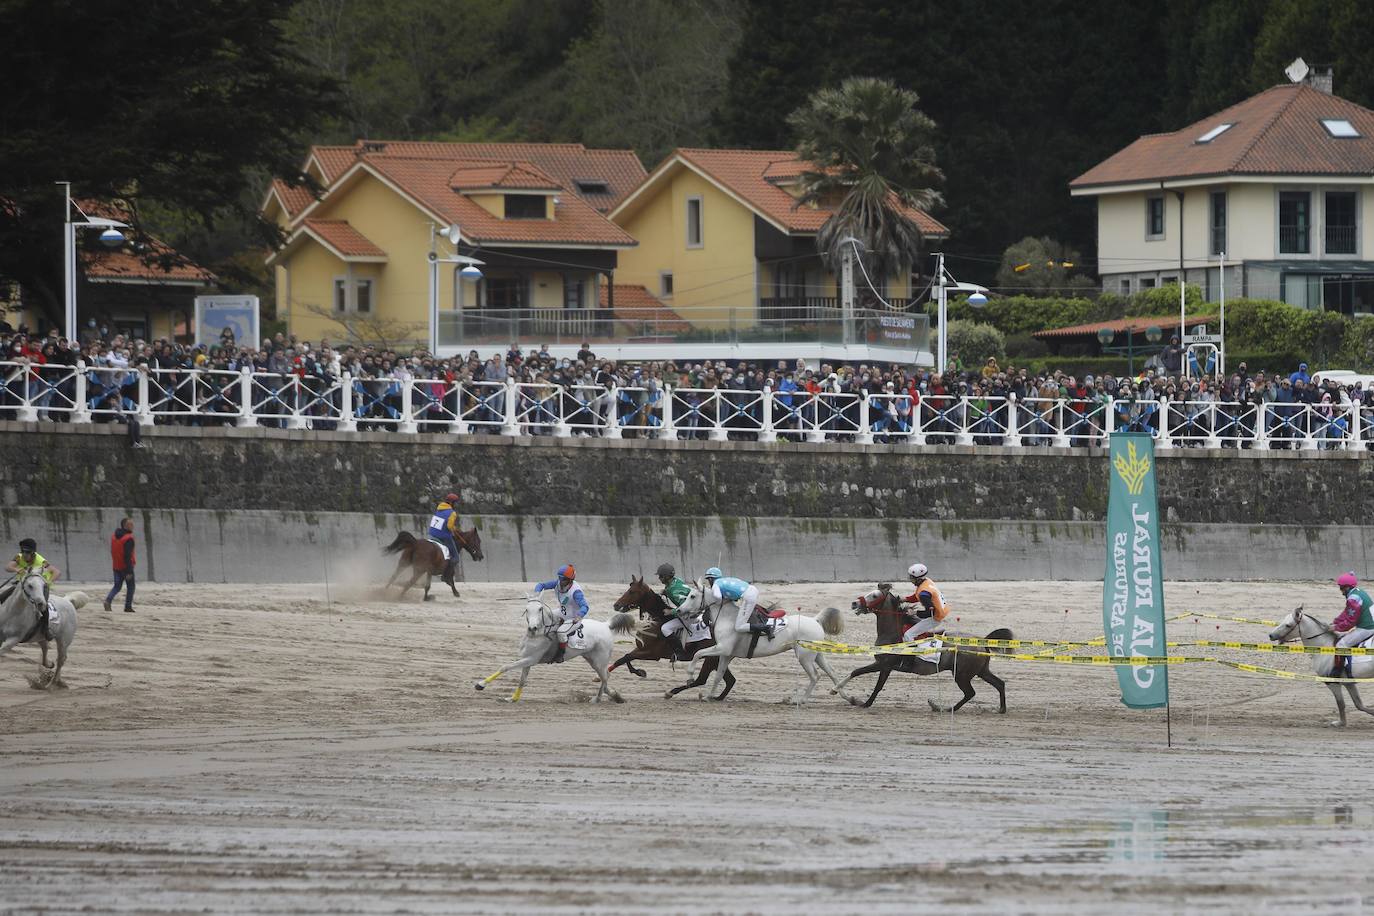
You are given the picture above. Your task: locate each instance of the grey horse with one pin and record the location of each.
(19, 617)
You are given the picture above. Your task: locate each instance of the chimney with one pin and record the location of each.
(1320, 79)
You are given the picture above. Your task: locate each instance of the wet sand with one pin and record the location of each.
(263, 749)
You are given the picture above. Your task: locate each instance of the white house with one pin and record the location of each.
(1280, 183)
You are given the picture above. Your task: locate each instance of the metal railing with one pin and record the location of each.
(246, 398)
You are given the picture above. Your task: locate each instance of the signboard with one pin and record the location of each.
(1214, 339)
(238, 314)
(898, 330)
(1133, 587)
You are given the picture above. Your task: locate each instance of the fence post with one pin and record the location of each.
(408, 407)
(1109, 424)
(1355, 441)
(865, 434)
(246, 417)
(1165, 441)
(459, 426)
(509, 427)
(347, 422)
(297, 419)
(1262, 426)
(766, 431)
(1013, 437)
(81, 404)
(667, 430)
(965, 436)
(612, 397)
(814, 406)
(1309, 442)
(561, 429)
(1213, 439)
(1061, 435)
(918, 433)
(719, 433)
(145, 406)
(27, 413)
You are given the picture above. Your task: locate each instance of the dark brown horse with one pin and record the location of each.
(425, 558)
(653, 646)
(892, 623)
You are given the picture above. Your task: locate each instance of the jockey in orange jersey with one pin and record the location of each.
(931, 608)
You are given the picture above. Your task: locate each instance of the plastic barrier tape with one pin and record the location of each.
(1259, 622)
(1292, 675)
(1278, 648)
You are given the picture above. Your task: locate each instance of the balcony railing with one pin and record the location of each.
(1294, 240)
(208, 398)
(1340, 239)
(816, 322)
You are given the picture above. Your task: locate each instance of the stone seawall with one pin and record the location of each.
(271, 505)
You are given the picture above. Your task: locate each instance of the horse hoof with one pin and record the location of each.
(617, 698)
(641, 674)
(429, 597)
(479, 686)
(49, 666)
(1336, 723)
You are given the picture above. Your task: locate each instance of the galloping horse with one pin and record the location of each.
(892, 623)
(19, 610)
(1313, 632)
(426, 558)
(652, 645)
(593, 641)
(731, 645)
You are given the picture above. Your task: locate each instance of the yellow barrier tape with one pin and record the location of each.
(1292, 675)
(1277, 648)
(1259, 622)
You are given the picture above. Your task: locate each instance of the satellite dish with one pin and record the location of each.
(453, 234)
(1297, 71)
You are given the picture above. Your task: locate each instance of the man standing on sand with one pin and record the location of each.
(122, 559)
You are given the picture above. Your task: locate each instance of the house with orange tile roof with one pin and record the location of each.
(533, 214)
(1272, 190)
(725, 240)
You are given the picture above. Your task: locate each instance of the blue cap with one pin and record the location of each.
(714, 573)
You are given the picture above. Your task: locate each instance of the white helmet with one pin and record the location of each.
(918, 571)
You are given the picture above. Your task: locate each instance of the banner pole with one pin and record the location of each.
(1168, 725)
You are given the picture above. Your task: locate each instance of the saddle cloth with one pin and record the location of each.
(694, 630)
(442, 546)
(935, 645)
(577, 638)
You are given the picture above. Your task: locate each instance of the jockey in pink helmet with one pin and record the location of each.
(1356, 621)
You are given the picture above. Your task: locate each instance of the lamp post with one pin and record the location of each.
(943, 284)
(110, 236)
(469, 271)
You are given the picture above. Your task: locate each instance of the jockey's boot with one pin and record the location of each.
(559, 656)
(762, 629)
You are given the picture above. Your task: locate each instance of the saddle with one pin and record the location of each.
(442, 547)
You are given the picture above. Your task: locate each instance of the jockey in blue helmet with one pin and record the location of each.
(443, 527)
(572, 605)
(724, 588)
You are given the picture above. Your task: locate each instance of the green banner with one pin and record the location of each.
(1132, 589)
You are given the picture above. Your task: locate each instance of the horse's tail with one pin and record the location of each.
(1000, 633)
(403, 540)
(79, 599)
(624, 624)
(831, 621)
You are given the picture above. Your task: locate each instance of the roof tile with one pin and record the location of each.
(343, 238)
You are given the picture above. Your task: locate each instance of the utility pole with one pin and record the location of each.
(847, 292)
(942, 297)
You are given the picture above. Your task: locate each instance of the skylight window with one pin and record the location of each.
(1214, 133)
(1340, 127)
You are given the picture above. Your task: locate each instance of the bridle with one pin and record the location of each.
(22, 582)
(1298, 620)
(886, 595)
(622, 606)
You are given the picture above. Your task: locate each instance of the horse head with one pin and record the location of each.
(1289, 627)
(873, 601)
(639, 596)
(536, 616)
(472, 543)
(35, 589)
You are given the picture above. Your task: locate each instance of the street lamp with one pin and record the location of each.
(110, 236)
(943, 284)
(469, 271)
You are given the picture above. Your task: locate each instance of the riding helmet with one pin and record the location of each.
(567, 572)
(451, 499)
(666, 571)
(28, 544)
(918, 571)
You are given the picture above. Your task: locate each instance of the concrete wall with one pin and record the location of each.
(270, 505)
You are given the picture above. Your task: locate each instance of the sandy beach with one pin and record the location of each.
(281, 749)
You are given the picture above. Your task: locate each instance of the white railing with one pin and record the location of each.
(199, 397)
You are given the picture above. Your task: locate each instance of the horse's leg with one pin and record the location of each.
(429, 579)
(964, 681)
(1355, 697)
(603, 671)
(400, 565)
(729, 683)
(722, 665)
(829, 672)
(524, 661)
(61, 660)
(1001, 686)
(696, 680)
(884, 672)
(43, 653)
(1340, 704)
(808, 663)
(415, 577)
(520, 687)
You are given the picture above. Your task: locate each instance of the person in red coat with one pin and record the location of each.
(122, 559)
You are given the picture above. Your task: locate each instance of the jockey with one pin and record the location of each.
(572, 604)
(29, 560)
(675, 591)
(727, 588)
(443, 527)
(932, 608)
(1357, 620)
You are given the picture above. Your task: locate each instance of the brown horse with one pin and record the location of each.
(426, 559)
(892, 623)
(653, 646)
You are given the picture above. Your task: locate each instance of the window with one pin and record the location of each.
(1340, 128)
(694, 222)
(1340, 222)
(503, 292)
(572, 292)
(1147, 282)
(1218, 223)
(1126, 286)
(1154, 218)
(525, 206)
(591, 186)
(1295, 222)
(362, 295)
(665, 283)
(1214, 133)
(1168, 281)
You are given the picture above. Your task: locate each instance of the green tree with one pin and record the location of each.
(1041, 266)
(873, 154)
(183, 105)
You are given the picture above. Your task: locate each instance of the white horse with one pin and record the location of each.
(594, 643)
(19, 616)
(731, 645)
(1313, 632)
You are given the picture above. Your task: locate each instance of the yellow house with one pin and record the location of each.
(724, 240)
(357, 261)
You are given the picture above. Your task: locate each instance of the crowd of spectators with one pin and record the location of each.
(301, 378)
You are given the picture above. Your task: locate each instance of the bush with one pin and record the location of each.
(975, 343)
(1024, 346)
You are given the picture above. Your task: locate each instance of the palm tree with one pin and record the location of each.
(871, 146)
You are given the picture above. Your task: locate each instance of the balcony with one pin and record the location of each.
(1341, 239)
(1294, 240)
